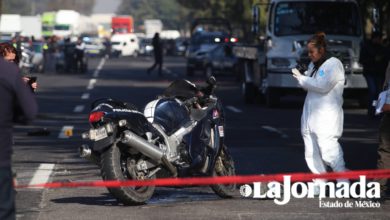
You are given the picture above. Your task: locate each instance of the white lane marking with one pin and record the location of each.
(91, 84)
(96, 74)
(42, 175)
(167, 70)
(101, 64)
(85, 96)
(78, 108)
(66, 132)
(99, 67)
(234, 109)
(272, 129)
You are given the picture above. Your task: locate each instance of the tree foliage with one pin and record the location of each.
(169, 11)
(33, 7)
(366, 7)
(239, 12)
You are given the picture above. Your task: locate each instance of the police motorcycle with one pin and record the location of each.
(181, 134)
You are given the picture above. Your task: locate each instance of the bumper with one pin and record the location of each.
(194, 63)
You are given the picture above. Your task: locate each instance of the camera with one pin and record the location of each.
(301, 66)
(31, 80)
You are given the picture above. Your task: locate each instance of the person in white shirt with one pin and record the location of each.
(323, 117)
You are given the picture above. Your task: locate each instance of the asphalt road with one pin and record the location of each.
(262, 141)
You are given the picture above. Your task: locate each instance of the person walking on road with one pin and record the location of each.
(18, 104)
(322, 116)
(158, 54)
(80, 53)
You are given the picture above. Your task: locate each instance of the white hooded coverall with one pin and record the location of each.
(323, 117)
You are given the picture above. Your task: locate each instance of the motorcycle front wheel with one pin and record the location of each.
(224, 166)
(118, 165)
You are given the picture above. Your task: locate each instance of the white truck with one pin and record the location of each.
(31, 26)
(10, 24)
(69, 23)
(266, 66)
(152, 26)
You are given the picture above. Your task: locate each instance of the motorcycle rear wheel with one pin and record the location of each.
(114, 166)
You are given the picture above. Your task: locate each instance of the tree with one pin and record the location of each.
(33, 7)
(169, 11)
(366, 7)
(237, 12)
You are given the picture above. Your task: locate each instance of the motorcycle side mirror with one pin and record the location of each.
(211, 81)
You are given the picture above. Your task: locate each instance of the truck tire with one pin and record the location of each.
(272, 98)
(248, 92)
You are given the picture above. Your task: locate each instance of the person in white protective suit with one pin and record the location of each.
(322, 116)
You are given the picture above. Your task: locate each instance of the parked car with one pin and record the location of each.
(94, 47)
(181, 46)
(200, 44)
(220, 60)
(169, 47)
(145, 46)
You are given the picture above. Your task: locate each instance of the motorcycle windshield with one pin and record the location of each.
(170, 115)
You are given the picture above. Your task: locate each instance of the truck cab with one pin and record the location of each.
(266, 68)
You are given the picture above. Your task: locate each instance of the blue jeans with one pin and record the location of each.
(7, 194)
(374, 85)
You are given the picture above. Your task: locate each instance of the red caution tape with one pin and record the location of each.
(295, 177)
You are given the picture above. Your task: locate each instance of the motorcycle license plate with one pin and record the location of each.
(98, 134)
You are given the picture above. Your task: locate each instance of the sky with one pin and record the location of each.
(106, 6)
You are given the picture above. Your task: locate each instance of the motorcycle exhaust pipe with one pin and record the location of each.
(140, 144)
(148, 149)
(86, 153)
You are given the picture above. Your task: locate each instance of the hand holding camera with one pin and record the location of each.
(296, 73)
(31, 81)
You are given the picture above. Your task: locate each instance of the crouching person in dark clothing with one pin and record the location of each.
(18, 105)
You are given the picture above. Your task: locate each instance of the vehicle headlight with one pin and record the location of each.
(356, 66)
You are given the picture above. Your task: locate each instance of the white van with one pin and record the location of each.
(125, 44)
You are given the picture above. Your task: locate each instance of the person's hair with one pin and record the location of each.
(6, 48)
(318, 39)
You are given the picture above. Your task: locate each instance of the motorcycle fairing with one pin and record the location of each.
(169, 113)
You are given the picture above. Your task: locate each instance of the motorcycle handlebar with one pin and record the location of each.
(211, 85)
